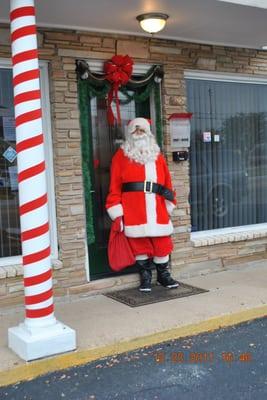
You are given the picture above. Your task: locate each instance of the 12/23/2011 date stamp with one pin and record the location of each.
(177, 357)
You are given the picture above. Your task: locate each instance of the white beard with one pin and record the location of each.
(141, 148)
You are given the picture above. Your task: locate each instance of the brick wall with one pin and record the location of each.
(61, 48)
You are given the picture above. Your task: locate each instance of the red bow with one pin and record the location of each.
(118, 71)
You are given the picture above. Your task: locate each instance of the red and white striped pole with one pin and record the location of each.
(33, 207)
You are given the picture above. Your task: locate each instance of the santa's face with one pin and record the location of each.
(139, 138)
(140, 144)
(139, 131)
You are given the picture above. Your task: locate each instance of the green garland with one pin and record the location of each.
(88, 89)
(94, 92)
(101, 92)
(137, 97)
(99, 87)
(85, 121)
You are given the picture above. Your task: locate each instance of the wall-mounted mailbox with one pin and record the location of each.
(180, 130)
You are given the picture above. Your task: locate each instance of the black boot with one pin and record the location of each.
(144, 268)
(164, 277)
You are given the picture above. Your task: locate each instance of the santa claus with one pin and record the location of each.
(141, 195)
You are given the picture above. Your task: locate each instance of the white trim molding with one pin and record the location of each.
(96, 66)
(225, 235)
(48, 147)
(225, 77)
(250, 3)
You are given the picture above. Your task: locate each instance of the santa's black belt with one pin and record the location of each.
(148, 187)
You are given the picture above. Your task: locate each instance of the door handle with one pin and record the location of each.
(92, 191)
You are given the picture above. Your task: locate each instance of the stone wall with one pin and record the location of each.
(61, 48)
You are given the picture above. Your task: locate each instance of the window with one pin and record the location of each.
(228, 156)
(9, 203)
(10, 245)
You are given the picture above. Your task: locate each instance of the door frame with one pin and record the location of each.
(96, 66)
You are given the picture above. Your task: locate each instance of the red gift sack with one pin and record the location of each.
(120, 254)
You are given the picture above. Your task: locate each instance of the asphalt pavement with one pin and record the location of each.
(229, 363)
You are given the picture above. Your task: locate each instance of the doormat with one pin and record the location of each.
(134, 298)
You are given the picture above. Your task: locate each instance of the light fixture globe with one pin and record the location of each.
(152, 22)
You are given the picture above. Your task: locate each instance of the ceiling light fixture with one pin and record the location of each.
(152, 22)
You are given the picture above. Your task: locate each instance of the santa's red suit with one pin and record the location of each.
(141, 192)
(144, 214)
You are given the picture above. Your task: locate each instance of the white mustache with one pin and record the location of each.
(136, 136)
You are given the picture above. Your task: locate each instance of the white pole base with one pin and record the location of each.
(33, 343)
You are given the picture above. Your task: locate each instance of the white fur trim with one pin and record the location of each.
(150, 198)
(170, 206)
(148, 230)
(115, 211)
(161, 260)
(141, 257)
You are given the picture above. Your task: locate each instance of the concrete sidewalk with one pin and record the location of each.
(105, 326)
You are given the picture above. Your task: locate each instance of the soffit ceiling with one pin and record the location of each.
(202, 21)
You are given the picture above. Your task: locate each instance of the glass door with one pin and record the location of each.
(105, 141)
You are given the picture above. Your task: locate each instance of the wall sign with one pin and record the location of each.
(10, 154)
